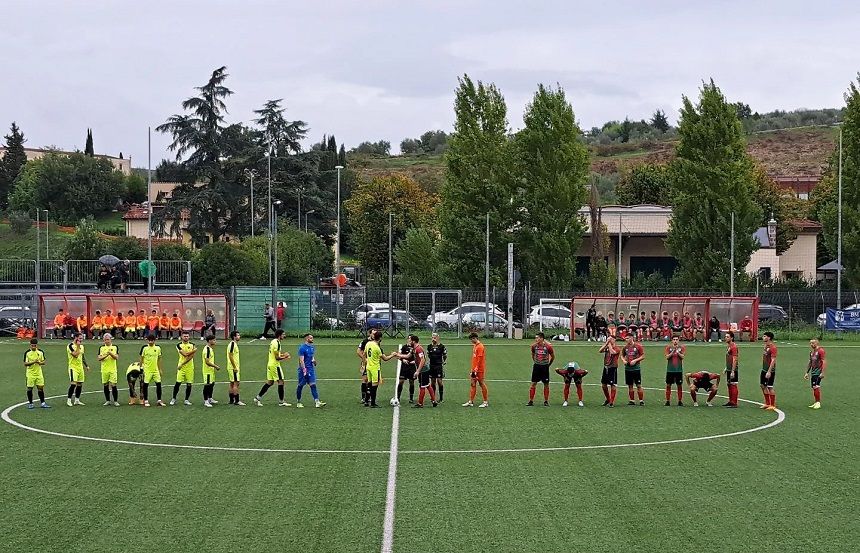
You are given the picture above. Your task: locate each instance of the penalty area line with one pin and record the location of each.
(391, 486)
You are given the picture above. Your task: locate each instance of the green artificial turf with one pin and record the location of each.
(791, 487)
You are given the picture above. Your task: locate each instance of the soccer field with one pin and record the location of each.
(507, 478)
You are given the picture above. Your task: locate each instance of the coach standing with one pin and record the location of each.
(269, 316)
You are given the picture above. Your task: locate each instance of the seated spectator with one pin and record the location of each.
(153, 323)
(676, 324)
(714, 327)
(643, 326)
(60, 324)
(108, 322)
(665, 327)
(746, 327)
(104, 278)
(164, 326)
(208, 324)
(82, 325)
(653, 327)
(699, 327)
(140, 327)
(611, 327)
(96, 328)
(602, 326)
(130, 325)
(119, 328)
(69, 324)
(621, 326)
(687, 327)
(175, 326)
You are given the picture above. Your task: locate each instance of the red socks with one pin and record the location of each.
(566, 391)
(630, 393)
(733, 394)
(668, 393)
(680, 395)
(693, 396)
(612, 395)
(546, 393)
(712, 395)
(431, 392)
(532, 393)
(641, 394)
(816, 393)
(606, 393)
(579, 391)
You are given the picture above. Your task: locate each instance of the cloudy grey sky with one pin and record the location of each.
(387, 69)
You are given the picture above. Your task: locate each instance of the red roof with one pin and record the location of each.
(806, 225)
(137, 212)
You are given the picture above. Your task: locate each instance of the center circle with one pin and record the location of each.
(6, 416)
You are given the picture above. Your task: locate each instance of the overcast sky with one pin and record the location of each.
(370, 70)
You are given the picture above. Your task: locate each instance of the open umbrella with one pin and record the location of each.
(109, 260)
(146, 268)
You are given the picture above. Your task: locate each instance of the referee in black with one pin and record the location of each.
(438, 355)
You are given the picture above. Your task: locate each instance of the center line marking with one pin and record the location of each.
(391, 488)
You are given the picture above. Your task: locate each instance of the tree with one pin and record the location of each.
(418, 260)
(368, 209)
(284, 136)
(125, 247)
(135, 189)
(171, 251)
(850, 190)
(172, 171)
(552, 167)
(381, 148)
(303, 258)
(646, 183)
(71, 186)
(11, 163)
(783, 206)
(85, 243)
(742, 110)
(659, 121)
(712, 178)
(88, 149)
(341, 156)
(479, 181)
(220, 264)
(626, 129)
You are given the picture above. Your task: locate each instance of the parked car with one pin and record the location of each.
(822, 318)
(768, 313)
(550, 315)
(381, 319)
(479, 321)
(447, 319)
(12, 317)
(362, 310)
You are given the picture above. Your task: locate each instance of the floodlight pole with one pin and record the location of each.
(390, 268)
(337, 252)
(619, 255)
(149, 209)
(732, 256)
(839, 232)
(487, 281)
(47, 232)
(38, 254)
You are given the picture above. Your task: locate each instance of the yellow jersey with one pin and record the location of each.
(235, 365)
(274, 353)
(108, 363)
(185, 348)
(75, 362)
(149, 357)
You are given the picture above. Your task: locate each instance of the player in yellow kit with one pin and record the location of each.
(274, 371)
(209, 368)
(150, 360)
(34, 360)
(108, 355)
(234, 368)
(77, 370)
(184, 368)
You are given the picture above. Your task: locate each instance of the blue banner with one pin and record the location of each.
(843, 319)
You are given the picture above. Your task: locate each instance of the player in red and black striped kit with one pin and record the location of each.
(703, 380)
(609, 378)
(542, 356)
(731, 369)
(768, 372)
(815, 371)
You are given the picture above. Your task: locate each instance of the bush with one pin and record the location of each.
(167, 251)
(20, 221)
(126, 247)
(222, 264)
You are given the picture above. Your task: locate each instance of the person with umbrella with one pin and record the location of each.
(105, 277)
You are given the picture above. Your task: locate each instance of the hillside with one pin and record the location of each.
(799, 151)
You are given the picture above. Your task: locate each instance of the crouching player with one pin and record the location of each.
(133, 373)
(814, 371)
(34, 360)
(572, 373)
(703, 380)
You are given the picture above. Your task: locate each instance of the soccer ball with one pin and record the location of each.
(394, 402)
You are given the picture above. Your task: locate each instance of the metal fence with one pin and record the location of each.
(77, 274)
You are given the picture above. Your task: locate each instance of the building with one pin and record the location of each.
(137, 225)
(799, 185)
(121, 164)
(642, 231)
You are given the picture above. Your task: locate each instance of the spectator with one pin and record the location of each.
(269, 316)
(591, 323)
(69, 324)
(602, 326)
(164, 326)
(746, 327)
(103, 278)
(714, 326)
(281, 313)
(208, 325)
(81, 325)
(122, 271)
(60, 324)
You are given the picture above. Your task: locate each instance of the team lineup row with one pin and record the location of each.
(415, 365)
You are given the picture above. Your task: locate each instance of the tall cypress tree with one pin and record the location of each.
(341, 156)
(88, 149)
(12, 162)
(712, 177)
(479, 180)
(551, 169)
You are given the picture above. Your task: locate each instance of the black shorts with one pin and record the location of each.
(768, 382)
(570, 377)
(706, 386)
(407, 371)
(437, 372)
(609, 376)
(815, 381)
(673, 378)
(131, 375)
(633, 378)
(732, 380)
(424, 379)
(540, 373)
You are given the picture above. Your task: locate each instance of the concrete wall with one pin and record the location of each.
(800, 257)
